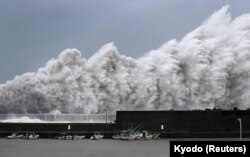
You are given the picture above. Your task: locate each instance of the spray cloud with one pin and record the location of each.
(208, 68)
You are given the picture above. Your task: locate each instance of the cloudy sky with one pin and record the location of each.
(32, 32)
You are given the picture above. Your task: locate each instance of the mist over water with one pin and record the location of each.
(208, 68)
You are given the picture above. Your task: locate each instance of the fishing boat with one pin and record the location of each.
(33, 136)
(128, 135)
(132, 135)
(68, 137)
(12, 136)
(20, 137)
(156, 135)
(146, 135)
(77, 137)
(64, 136)
(116, 136)
(97, 136)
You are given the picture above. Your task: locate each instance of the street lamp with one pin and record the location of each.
(239, 119)
(106, 116)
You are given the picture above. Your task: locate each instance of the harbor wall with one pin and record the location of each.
(171, 124)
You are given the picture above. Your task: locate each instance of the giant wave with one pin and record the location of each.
(208, 68)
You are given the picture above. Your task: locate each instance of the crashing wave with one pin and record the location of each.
(208, 68)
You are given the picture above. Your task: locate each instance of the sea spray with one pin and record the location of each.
(208, 68)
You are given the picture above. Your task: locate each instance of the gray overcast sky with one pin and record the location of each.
(32, 31)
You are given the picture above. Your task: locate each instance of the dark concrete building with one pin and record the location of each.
(200, 123)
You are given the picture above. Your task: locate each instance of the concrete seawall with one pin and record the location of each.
(171, 124)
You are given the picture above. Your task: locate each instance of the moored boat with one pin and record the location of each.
(128, 135)
(33, 136)
(132, 135)
(116, 136)
(77, 137)
(97, 136)
(12, 136)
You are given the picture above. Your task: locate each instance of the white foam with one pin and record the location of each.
(208, 68)
(21, 120)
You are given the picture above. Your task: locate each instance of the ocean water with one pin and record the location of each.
(84, 148)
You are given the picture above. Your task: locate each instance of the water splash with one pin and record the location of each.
(208, 68)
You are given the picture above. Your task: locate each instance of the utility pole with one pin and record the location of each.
(239, 119)
(106, 116)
